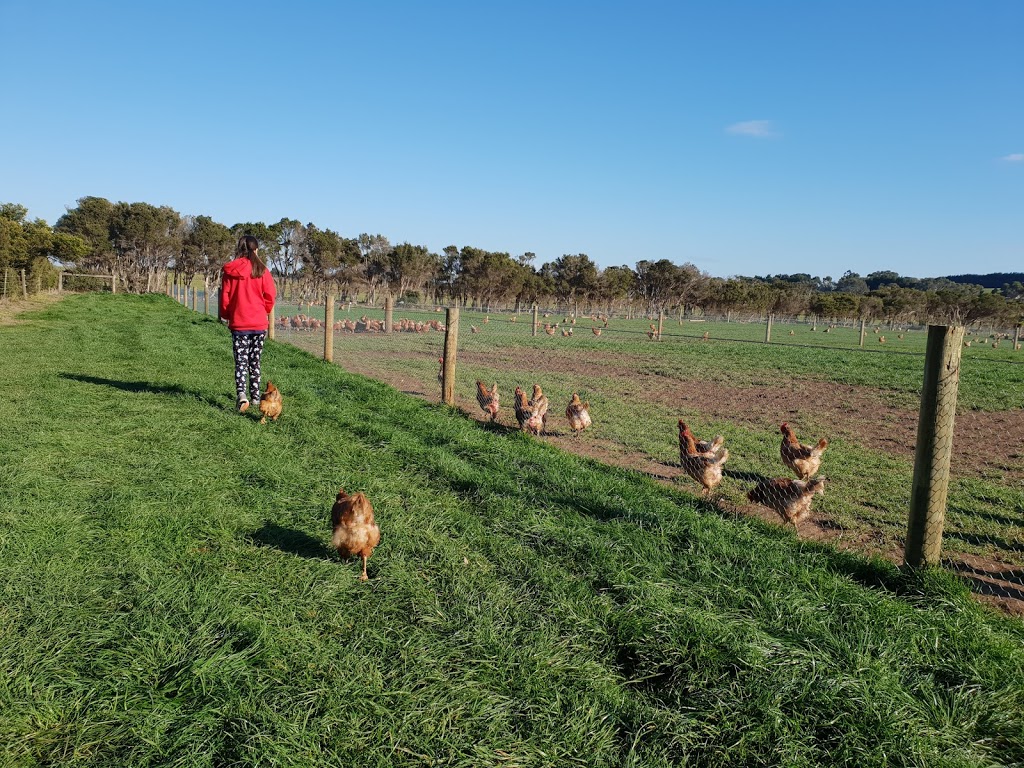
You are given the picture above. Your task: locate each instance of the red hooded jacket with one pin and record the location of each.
(245, 301)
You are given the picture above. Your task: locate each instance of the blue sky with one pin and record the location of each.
(744, 137)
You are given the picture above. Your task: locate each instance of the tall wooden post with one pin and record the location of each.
(389, 315)
(113, 283)
(451, 346)
(60, 282)
(5, 282)
(534, 319)
(934, 445)
(329, 328)
(271, 321)
(195, 307)
(1016, 336)
(768, 329)
(863, 323)
(661, 322)
(24, 284)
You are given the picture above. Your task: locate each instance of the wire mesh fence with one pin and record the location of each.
(809, 425)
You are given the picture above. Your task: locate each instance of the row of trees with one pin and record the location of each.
(143, 244)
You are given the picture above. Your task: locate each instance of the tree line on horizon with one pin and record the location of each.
(143, 245)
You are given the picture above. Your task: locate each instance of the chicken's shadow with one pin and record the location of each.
(747, 477)
(147, 386)
(291, 541)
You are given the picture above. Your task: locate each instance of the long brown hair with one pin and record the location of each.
(248, 246)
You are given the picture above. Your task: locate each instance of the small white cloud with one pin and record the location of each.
(1016, 157)
(758, 128)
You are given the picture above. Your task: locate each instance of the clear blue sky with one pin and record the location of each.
(744, 137)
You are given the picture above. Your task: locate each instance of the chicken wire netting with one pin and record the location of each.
(843, 398)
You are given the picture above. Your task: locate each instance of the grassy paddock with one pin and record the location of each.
(621, 371)
(169, 597)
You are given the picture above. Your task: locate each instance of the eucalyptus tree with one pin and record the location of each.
(289, 236)
(91, 221)
(411, 268)
(373, 252)
(615, 286)
(485, 277)
(146, 240)
(206, 246)
(326, 255)
(575, 278)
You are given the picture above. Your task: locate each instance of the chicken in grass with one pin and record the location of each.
(707, 448)
(488, 398)
(804, 460)
(791, 499)
(523, 409)
(578, 414)
(270, 403)
(539, 403)
(355, 531)
(703, 466)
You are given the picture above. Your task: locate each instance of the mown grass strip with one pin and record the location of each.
(170, 599)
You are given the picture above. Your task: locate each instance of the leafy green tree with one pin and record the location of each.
(373, 251)
(91, 220)
(206, 246)
(575, 278)
(411, 267)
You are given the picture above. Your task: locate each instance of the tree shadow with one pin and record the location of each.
(291, 541)
(146, 386)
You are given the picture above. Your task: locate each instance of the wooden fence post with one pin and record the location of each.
(934, 445)
(271, 318)
(206, 294)
(60, 282)
(5, 282)
(863, 322)
(661, 322)
(389, 315)
(329, 328)
(534, 319)
(768, 329)
(451, 346)
(1016, 336)
(24, 285)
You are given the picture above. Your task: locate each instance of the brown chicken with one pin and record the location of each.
(488, 399)
(804, 460)
(523, 409)
(539, 403)
(703, 447)
(270, 403)
(578, 414)
(355, 531)
(703, 466)
(791, 499)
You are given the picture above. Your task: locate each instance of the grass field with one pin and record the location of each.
(169, 597)
(864, 400)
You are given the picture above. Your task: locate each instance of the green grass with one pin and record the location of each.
(869, 484)
(169, 597)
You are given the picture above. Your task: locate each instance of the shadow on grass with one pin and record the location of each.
(145, 386)
(291, 541)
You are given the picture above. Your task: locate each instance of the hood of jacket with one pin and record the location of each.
(240, 267)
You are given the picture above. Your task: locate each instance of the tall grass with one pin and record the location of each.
(169, 597)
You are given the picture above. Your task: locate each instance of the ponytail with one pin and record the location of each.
(248, 246)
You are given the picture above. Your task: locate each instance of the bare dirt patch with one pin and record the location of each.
(11, 309)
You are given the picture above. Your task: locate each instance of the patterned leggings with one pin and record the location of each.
(248, 348)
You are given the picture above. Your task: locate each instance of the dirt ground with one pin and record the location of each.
(857, 414)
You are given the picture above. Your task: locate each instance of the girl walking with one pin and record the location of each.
(247, 296)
